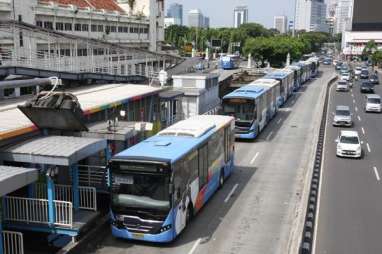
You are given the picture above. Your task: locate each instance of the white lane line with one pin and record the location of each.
(196, 244)
(352, 95)
(359, 118)
(231, 193)
(279, 121)
(269, 136)
(254, 158)
(363, 131)
(356, 109)
(376, 174)
(368, 147)
(354, 101)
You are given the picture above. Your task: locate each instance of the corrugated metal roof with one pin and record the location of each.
(109, 5)
(53, 150)
(13, 178)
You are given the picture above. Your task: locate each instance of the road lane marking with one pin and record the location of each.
(354, 101)
(352, 95)
(279, 121)
(368, 147)
(231, 193)
(363, 131)
(254, 158)
(269, 136)
(356, 109)
(376, 174)
(359, 118)
(196, 244)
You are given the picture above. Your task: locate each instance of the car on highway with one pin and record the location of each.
(373, 103)
(366, 87)
(342, 86)
(364, 74)
(349, 144)
(338, 66)
(342, 117)
(327, 61)
(345, 76)
(374, 79)
(358, 71)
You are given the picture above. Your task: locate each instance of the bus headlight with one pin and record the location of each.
(165, 228)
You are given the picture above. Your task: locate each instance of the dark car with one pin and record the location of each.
(367, 87)
(338, 66)
(374, 79)
(364, 74)
(327, 61)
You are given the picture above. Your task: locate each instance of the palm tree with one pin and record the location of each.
(131, 4)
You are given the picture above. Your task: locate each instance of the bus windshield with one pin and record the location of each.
(241, 109)
(140, 190)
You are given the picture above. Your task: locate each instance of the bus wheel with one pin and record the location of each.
(221, 179)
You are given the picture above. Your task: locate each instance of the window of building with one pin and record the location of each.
(68, 27)
(131, 29)
(100, 28)
(146, 30)
(94, 28)
(136, 30)
(48, 25)
(39, 23)
(77, 27)
(85, 27)
(107, 29)
(120, 29)
(141, 30)
(125, 29)
(82, 52)
(59, 26)
(113, 29)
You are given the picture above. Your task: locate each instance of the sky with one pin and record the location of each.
(221, 11)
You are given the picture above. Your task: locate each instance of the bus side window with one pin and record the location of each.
(203, 165)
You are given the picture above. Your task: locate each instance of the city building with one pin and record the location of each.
(206, 22)
(196, 18)
(168, 21)
(311, 16)
(240, 16)
(176, 11)
(109, 20)
(280, 23)
(343, 16)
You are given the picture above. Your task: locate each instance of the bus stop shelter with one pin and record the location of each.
(64, 208)
(12, 179)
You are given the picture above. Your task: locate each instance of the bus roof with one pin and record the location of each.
(277, 75)
(176, 141)
(266, 82)
(249, 91)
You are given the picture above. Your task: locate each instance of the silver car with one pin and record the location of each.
(342, 86)
(343, 117)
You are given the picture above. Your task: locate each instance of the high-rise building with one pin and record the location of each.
(367, 15)
(280, 23)
(195, 18)
(240, 16)
(206, 22)
(343, 16)
(311, 15)
(176, 11)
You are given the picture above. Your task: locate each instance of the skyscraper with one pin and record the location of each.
(195, 18)
(280, 23)
(367, 15)
(240, 16)
(176, 11)
(344, 13)
(311, 15)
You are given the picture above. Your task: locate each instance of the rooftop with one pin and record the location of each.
(108, 5)
(13, 178)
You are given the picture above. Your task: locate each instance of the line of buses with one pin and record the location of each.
(158, 185)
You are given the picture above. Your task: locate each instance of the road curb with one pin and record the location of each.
(303, 232)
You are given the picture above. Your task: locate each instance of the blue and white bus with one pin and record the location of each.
(286, 79)
(297, 76)
(274, 87)
(230, 62)
(160, 183)
(249, 105)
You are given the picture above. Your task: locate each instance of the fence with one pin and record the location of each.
(13, 242)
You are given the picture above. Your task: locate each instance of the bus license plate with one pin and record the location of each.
(138, 236)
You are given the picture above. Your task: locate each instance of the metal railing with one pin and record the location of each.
(13, 242)
(93, 176)
(29, 210)
(87, 195)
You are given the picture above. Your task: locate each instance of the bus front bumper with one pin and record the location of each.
(251, 135)
(164, 237)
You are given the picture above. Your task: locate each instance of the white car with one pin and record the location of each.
(345, 76)
(342, 86)
(373, 103)
(349, 145)
(358, 71)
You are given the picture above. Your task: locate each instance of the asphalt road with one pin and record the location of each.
(257, 209)
(349, 211)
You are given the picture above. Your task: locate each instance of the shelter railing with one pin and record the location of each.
(13, 242)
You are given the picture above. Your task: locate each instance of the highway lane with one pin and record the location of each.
(349, 207)
(257, 209)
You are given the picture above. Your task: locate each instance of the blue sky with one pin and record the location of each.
(221, 11)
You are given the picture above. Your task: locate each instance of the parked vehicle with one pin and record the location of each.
(373, 103)
(158, 185)
(367, 87)
(349, 145)
(343, 117)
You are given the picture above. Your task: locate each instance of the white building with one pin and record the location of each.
(353, 43)
(195, 18)
(240, 16)
(280, 23)
(169, 21)
(311, 16)
(109, 20)
(344, 14)
(201, 93)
